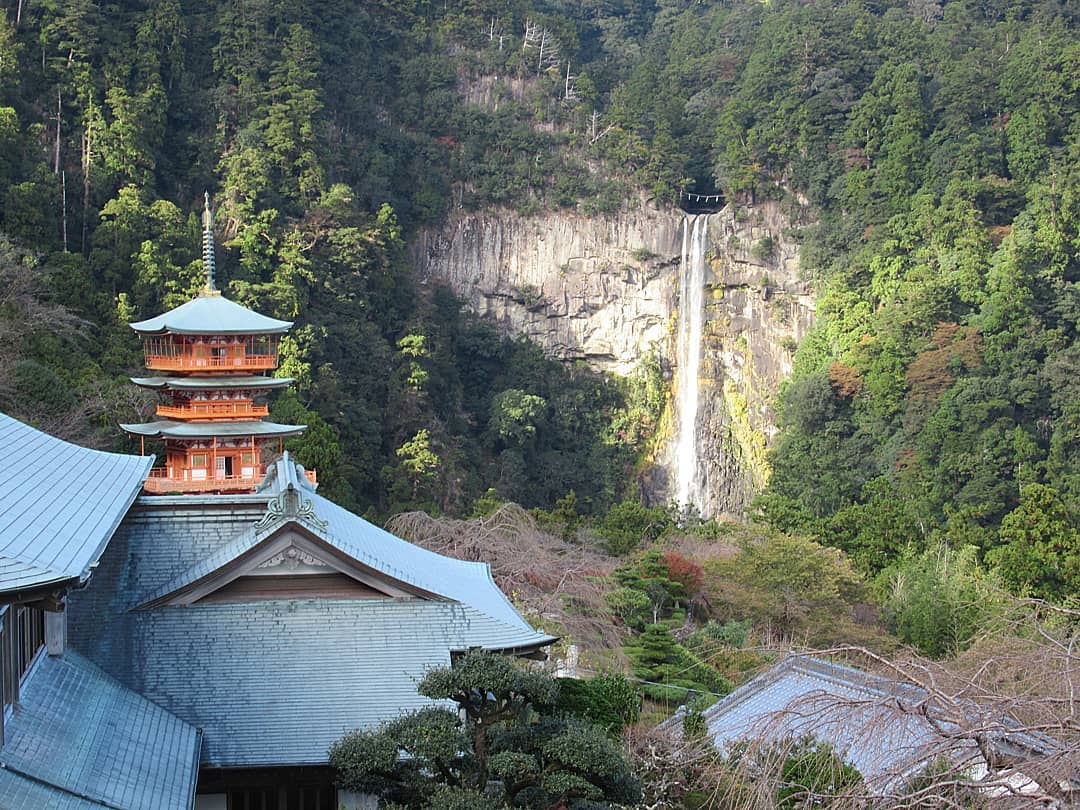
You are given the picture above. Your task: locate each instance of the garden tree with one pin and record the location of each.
(1039, 553)
(650, 574)
(503, 728)
(631, 606)
(611, 701)
(657, 658)
(790, 584)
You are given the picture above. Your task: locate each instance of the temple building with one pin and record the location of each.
(236, 622)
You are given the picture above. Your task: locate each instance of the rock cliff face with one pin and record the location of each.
(588, 288)
(757, 311)
(604, 290)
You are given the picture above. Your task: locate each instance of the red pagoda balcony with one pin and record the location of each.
(213, 411)
(160, 483)
(211, 353)
(225, 361)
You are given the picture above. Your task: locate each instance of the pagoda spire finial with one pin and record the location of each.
(208, 243)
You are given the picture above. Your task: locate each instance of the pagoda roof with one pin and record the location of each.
(212, 383)
(171, 429)
(211, 314)
(59, 505)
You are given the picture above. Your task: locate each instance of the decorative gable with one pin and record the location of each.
(305, 567)
(287, 554)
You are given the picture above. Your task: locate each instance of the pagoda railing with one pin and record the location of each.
(228, 361)
(160, 483)
(213, 410)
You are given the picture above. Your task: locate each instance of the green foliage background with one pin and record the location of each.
(935, 145)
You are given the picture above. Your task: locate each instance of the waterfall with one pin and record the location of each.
(688, 488)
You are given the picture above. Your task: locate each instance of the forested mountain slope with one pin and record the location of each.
(936, 146)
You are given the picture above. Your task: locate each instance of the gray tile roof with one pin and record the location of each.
(211, 315)
(470, 583)
(887, 729)
(79, 739)
(845, 707)
(275, 682)
(20, 793)
(59, 505)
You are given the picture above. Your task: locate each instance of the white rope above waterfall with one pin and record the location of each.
(701, 198)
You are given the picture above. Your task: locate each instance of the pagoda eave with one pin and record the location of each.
(210, 314)
(211, 383)
(169, 429)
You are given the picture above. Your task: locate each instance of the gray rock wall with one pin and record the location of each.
(604, 290)
(758, 310)
(589, 288)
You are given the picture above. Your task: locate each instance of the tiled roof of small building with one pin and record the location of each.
(59, 505)
(837, 704)
(887, 729)
(78, 739)
(211, 314)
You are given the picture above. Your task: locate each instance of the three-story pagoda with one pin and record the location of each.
(211, 357)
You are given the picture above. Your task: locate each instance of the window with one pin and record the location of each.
(22, 635)
(295, 797)
(31, 630)
(198, 460)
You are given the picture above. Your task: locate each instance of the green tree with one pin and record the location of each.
(790, 583)
(500, 730)
(630, 524)
(938, 600)
(1040, 551)
(516, 416)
